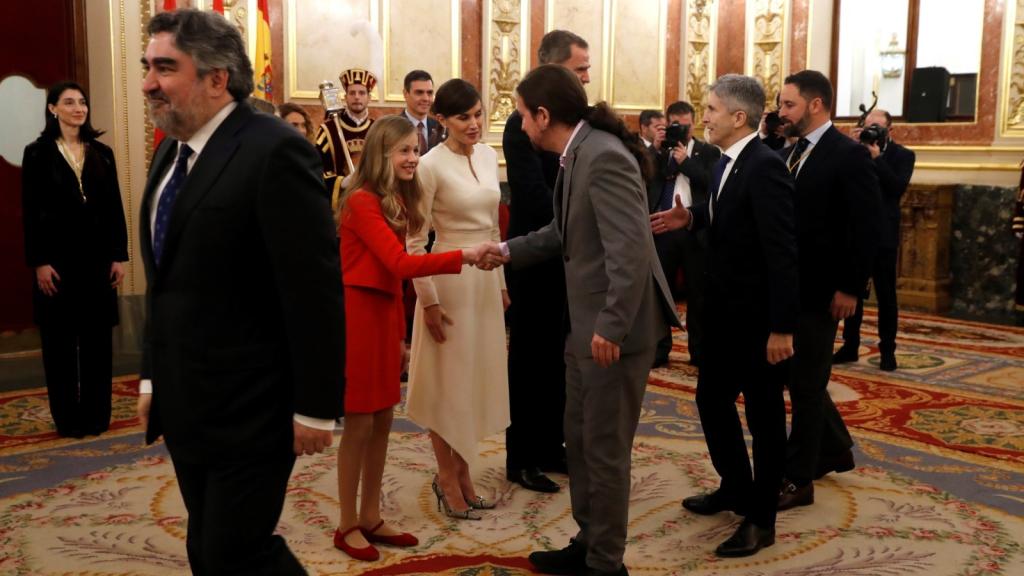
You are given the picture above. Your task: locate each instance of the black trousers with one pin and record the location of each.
(817, 427)
(77, 362)
(682, 248)
(536, 367)
(233, 508)
(736, 362)
(884, 280)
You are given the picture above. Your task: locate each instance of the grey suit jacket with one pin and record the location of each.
(601, 229)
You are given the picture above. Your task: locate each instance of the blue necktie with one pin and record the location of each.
(668, 190)
(166, 203)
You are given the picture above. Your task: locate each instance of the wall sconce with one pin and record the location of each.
(893, 59)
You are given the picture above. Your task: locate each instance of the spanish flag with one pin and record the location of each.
(261, 62)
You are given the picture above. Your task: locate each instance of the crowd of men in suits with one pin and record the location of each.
(782, 244)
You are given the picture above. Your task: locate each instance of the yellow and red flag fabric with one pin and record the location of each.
(261, 61)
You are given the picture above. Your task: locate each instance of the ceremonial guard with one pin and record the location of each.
(342, 136)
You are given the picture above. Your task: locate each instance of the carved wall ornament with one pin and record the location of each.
(1013, 71)
(505, 54)
(700, 42)
(766, 53)
(506, 29)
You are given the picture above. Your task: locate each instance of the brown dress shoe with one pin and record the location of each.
(792, 495)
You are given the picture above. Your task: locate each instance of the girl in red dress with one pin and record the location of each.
(377, 209)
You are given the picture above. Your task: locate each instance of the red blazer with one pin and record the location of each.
(372, 256)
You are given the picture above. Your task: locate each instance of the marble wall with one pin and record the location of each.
(983, 253)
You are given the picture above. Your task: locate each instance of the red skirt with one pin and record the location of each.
(374, 329)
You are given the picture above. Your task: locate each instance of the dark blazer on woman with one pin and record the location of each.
(79, 238)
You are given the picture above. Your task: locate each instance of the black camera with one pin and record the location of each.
(874, 134)
(674, 134)
(772, 123)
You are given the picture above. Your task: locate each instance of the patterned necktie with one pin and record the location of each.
(422, 138)
(166, 203)
(798, 154)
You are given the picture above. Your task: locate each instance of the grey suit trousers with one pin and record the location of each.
(602, 410)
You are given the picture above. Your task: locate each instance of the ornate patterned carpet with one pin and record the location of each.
(939, 488)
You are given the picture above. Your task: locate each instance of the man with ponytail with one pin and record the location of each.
(618, 304)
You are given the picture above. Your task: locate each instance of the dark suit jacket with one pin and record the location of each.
(245, 316)
(656, 183)
(531, 179)
(752, 246)
(895, 166)
(79, 239)
(838, 210)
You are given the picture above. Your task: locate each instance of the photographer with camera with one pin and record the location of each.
(894, 165)
(652, 133)
(687, 165)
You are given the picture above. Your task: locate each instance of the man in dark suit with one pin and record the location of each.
(652, 133)
(244, 341)
(838, 207)
(895, 166)
(751, 311)
(536, 368)
(418, 90)
(688, 166)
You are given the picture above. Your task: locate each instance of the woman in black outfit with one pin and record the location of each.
(75, 239)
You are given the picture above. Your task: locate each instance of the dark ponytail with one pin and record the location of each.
(602, 117)
(560, 92)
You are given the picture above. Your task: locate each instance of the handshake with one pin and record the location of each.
(486, 256)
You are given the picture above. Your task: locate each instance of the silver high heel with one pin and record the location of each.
(480, 504)
(442, 503)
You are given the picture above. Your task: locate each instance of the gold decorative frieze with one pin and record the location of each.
(767, 44)
(1012, 89)
(699, 58)
(505, 63)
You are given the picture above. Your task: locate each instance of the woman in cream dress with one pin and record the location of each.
(458, 380)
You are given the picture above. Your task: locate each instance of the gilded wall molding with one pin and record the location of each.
(701, 27)
(507, 29)
(767, 44)
(1012, 89)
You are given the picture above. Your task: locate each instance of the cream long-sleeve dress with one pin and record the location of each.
(459, 388)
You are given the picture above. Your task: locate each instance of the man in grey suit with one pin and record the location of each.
(619, 304)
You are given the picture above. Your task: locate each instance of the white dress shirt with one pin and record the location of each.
(197, 142)
(422, 125)
(682, 189)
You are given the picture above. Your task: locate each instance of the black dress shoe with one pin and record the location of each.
(569, 560)
(713, 503)
(846, 353)
(660, 361)
(887, 362)
(792, 495)
(842, 462)
(532, 479)
(746, 541)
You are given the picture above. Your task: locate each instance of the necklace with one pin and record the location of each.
(75, 163)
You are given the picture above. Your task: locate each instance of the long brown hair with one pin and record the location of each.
(560, 92)
(400, 199)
